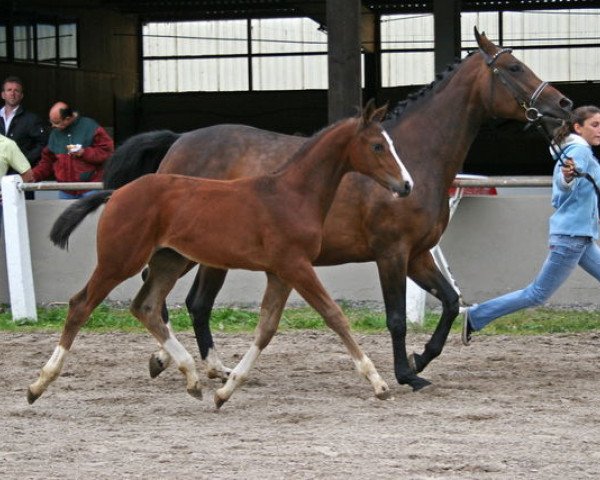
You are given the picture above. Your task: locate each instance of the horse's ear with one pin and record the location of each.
(368, 111)
(379, 114)
(486, 47)
(478, 36)
(372, 114)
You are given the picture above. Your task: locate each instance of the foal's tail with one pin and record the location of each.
(74, 215)
(139, 155)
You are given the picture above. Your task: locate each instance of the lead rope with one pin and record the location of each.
(558, 152)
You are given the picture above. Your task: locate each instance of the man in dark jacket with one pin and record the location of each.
(25, 128)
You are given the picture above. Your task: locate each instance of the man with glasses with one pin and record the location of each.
(77, 149)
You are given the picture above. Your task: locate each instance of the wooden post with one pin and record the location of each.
(446, 26)
(344, 59)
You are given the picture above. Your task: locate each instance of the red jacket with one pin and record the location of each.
(70, 168)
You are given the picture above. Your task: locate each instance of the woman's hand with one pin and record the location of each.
(568, 170)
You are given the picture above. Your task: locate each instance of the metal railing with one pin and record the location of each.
(18, 253)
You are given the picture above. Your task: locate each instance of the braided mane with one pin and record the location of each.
(414, 97)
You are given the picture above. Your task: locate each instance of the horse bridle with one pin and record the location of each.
(532, 114)
(528, 104)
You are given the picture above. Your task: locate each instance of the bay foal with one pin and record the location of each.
(271, 223)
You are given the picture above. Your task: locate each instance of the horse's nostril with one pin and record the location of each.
(565, 103)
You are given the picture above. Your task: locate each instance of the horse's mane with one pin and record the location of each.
(441, 79)
(311, 141)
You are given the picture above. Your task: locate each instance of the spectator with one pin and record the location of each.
(76, 150)
(25, 128)
(11, 157)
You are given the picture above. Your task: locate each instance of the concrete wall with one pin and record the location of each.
(493, 245)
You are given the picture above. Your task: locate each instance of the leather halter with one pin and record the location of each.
(528, 104)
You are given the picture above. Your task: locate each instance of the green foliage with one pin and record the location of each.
(106, 318)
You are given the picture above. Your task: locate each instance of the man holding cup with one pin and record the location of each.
(77, 149)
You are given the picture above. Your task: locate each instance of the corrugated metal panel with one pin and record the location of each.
(293, 36)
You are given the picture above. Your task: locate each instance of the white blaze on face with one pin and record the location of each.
(403, 169)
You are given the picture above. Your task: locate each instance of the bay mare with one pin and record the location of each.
(271, 223)
(433, 131)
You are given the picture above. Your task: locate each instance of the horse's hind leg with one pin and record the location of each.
(304, 279)
(200, 301)
(164, 268)
(81, 306)
(427, 275)
(274, 300)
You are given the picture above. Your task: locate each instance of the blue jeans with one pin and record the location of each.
(72, 196)
(565, 254)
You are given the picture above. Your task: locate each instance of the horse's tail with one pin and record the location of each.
(139, 155)
(74, 215)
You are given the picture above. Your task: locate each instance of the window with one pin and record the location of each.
(67, 44)
(3, 44)
(23, 35)
(407, 45)
(558, 45)
(234, 55)
(49, 41)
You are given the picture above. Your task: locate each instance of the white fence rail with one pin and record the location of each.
(18, 254)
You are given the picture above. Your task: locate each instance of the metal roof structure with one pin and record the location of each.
(229, 9)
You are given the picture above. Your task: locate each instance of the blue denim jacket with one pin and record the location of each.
(576, 203)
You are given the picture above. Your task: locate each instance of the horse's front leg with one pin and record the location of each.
(272, 305)
(392, 275)
(426, 274)
(305, 281)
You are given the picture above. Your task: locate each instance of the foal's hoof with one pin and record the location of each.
(384, 394)
(32, 397)
(214, 373)
(415, 362)
(219, 402)
(196, 391)
(156, 365)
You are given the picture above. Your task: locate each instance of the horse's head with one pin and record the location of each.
(372, 153)
(513, 90)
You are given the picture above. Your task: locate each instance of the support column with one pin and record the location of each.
(18, 253)
(344, 59)
(446, 27)
(371, 45)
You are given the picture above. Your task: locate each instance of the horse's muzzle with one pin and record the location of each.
(402, 190)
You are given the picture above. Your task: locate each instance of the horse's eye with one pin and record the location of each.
(515, 68)
(378, 147)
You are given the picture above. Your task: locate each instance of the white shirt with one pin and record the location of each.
(7, 119)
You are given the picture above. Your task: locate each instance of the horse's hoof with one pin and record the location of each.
(385, 394)
(419, 383)
(213, 373)
(415, 362)
(32, 397)
(156, 366)
(218, 401)
(196, 391)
